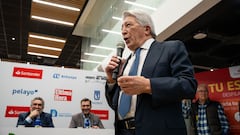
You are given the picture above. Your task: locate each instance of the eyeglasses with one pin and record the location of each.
(205, 91)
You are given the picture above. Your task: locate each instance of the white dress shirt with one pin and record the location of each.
(144, 50)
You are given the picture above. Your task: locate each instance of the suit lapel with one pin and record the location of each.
(125, 64)
(149, 64)
(151, 60)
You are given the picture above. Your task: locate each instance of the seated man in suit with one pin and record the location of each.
(36, 117)
(86, 119)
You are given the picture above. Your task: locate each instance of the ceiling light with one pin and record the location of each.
(200, 35)
(45, 47)
(97, 55)
(102, 47)
(90, 61)
(117, 18)
(110, 31)
(39, 57)
(56, 5)
(140, 5)
(52, 20)
(45, 55)
(47, 38)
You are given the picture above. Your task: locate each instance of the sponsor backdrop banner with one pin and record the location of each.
(61, 88)
(224, 86)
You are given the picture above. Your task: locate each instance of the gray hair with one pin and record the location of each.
(142, 18)
(38, 98)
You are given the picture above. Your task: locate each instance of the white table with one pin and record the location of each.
(55, 131)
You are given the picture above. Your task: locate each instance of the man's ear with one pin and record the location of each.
(148, 30)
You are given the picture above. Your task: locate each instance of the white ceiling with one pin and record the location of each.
(170, 16)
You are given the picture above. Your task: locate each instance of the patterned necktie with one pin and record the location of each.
(125, 101)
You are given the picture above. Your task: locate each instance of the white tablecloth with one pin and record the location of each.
(55, 131)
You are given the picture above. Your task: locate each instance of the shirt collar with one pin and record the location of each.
(146, 45)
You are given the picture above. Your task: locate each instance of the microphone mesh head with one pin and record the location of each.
(121, 45)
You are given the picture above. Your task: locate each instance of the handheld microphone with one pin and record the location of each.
(120, 48)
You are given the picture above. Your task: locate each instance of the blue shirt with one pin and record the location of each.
(202, 125)
(201, 118)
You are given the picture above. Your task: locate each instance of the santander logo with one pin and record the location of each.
(103, 114)
(14, 111)
(27, 73)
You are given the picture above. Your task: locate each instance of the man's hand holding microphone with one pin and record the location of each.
(129, 84)
(115, 63)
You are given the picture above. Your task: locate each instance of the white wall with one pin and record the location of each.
(17, 92)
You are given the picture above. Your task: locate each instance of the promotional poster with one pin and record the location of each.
(224, 86)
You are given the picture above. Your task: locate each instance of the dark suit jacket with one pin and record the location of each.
(172, 79)
(46, 120)
(78, 120)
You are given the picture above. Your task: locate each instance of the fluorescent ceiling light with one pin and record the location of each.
(90, 61)
(140, 5)
(41, 54)
(102, 47)
(56, 5)
(47, 38)
(200, 35)
(110, 31)
(117, 18)
(52, 20)
(97, 55)
(45, 47)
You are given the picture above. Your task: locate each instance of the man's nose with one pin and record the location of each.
(124, 31)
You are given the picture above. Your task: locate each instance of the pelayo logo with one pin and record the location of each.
(24, 92)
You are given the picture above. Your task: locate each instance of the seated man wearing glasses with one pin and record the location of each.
(35, 117)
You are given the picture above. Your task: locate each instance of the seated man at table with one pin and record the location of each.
(35, 117)
(86, 119)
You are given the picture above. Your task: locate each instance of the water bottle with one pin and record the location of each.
(86, 123)
(37, 122)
